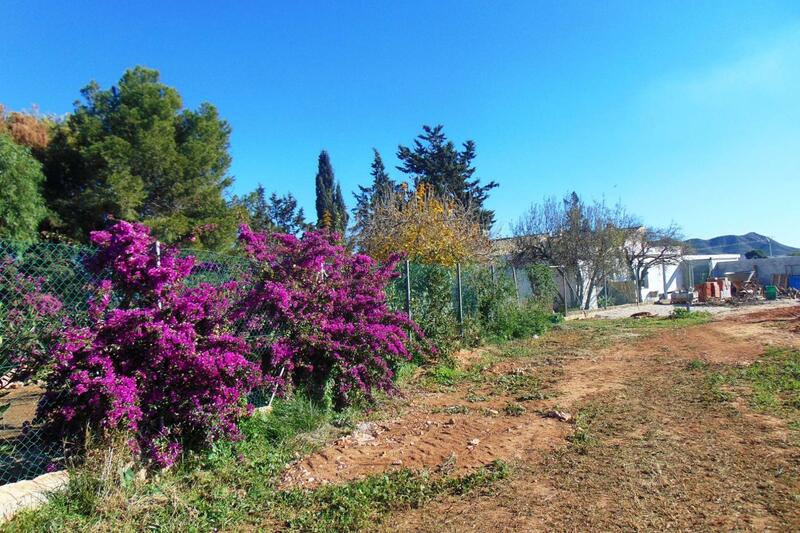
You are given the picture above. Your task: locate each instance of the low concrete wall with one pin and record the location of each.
(765, 268)
(16, 497)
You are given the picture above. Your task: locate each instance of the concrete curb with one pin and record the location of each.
(30, 494)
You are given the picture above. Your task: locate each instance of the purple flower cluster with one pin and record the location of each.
(158, 357)
(30, 321)
(326, 313)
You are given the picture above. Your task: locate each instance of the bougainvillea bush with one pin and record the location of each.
(158, 357)
(30, 321)
(324, 316)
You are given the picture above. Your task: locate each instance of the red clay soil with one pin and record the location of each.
(665, 457)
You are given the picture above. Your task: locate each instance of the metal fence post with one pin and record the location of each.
(158, 263)
(408, 289)
(460, 299)
(516, 285)
(564, 280)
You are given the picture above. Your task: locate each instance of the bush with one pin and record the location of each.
(520, 321)
(432, 306)
(487, 295)
(543, 285)
(323, 316)
(30, 320)
(157, 358)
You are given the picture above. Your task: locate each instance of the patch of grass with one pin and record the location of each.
(696, 364)
(514, 409)
(716, 380)
(233, 485)
(583, 437)
(449, 374)
(359, 505)
(608, 331)
(474, 398)
(405, 373)
(771, 384)
(212, 502)
(517, 383)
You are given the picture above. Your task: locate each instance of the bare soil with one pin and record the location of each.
(651, 447)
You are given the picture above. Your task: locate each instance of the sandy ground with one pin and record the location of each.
(625, 311)
(664, 455)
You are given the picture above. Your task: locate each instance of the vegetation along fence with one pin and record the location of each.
(44, 286)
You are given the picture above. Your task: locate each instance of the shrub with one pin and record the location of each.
(432, 306)
(491, 293)
(158, 358)
(30, 320)
(519, 321)
(543, 284)
(323, 316)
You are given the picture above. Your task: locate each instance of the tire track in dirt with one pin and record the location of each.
(426, 437)
(667, 456)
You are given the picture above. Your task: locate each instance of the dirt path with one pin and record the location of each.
(666, 456)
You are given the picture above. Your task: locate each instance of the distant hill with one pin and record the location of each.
(739, 244)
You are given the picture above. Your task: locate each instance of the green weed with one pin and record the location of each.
(514, 409)
(696, 364)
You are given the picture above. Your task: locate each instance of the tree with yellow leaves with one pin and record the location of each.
(428, 227)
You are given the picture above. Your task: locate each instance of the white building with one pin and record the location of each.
(617, 288)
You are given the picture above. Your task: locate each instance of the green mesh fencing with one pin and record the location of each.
(42, 286)
(34, 276)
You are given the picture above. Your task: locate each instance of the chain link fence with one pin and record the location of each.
(45, 286)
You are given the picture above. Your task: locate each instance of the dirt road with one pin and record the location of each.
(644, 446)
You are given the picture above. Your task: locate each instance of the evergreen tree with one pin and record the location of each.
(285, 215)
(324, 190)
(368, 197)
(331, 209)
(274, 214)
(256, 206)
(134, 152)
(435, 160)
(342, 217)
(21, 203)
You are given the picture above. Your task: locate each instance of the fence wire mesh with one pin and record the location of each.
(45, 286)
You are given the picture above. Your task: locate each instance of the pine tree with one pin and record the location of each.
(134, 152)
(368, 197)
(21, 204)
(285, 215)
(435, 160)
(274, 214)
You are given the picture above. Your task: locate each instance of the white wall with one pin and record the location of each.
(765, 268)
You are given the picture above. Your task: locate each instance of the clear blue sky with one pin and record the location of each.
(685, 111)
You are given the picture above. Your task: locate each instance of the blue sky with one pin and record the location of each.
(684, 111)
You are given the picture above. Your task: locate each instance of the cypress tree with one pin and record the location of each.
(331, 210)
(341, 217)
(324, 189)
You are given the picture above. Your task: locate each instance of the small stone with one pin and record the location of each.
(474, 442)
(397, 462)
(559, 415)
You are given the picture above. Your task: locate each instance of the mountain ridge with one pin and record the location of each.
(739, 244)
